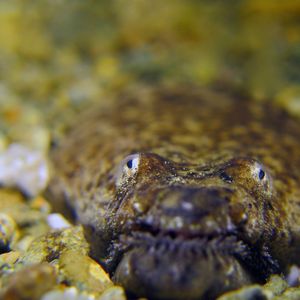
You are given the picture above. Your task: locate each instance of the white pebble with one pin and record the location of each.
(67, 294)
(57, 221)
(293, 276)
(24, 168)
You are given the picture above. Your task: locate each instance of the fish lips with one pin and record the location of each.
(164, 267)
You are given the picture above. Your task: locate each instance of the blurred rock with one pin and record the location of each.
(9, 258)
(51, 246)
(83, 272)
(67, 294)
(293, 276)
(113, 293)
(8, 231)
(289, 294)
(24, 168)
(57, 221)
(29, 283)
(30, 221)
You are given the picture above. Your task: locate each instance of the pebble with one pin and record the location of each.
(24, 168)
(7, 262)
(9, 258)
(67, 251)
(293, 277)
(13, 204)
(29, 283)
(289, 294)
(29, 220)
(50, 246)
(57, 221)
(91, 278)
(113, 293)
(67, 294)
(54, 266)
(24, 243)
(41, 204)
(8, 231)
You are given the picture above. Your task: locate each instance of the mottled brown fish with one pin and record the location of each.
(184, 193)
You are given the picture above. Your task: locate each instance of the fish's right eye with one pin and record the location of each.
(132, 164)
(128, 168)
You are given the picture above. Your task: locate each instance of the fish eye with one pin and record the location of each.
(258, 172)
(249, 173)
(127, 169)
(129, 164)
(132, 163)
(261, 174)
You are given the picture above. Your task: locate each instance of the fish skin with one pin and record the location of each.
(184, 193)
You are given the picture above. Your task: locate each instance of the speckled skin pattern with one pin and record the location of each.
(184, 193)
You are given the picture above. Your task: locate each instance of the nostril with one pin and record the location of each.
(225, 177)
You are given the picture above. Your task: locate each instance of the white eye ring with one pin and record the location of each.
(128, 168)
(132, 163)
(259, 172)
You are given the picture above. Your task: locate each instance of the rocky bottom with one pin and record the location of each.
(45, 257)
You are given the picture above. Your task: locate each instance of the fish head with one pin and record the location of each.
(195, 228)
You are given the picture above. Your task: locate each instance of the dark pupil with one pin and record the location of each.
(129, 164)
(261, 174)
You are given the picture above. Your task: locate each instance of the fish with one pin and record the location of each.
(184, 192)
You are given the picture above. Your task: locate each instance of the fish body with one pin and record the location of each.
(184, 193)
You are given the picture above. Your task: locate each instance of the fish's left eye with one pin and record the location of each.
(249, 173)
(261, 174)
(127, 169)
(132, 163)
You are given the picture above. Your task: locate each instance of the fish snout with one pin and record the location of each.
(191, 212)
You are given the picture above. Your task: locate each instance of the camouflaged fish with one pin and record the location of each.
(184, 193)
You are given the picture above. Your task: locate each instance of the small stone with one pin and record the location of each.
(41, 204)
(293, 277)
(276, 285)
(29, 283)
(24, 168)
(50, 246)
(8, 230)
(29, 221)
(9, 258)
(14, 204)
(67, 294)
(57, 221)
(289, 294)
(113, 293)
(7, 265)
(24, 243)
(91, 278)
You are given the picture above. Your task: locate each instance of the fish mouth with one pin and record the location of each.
(188, 245)
(149, 236)
(172, 265)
